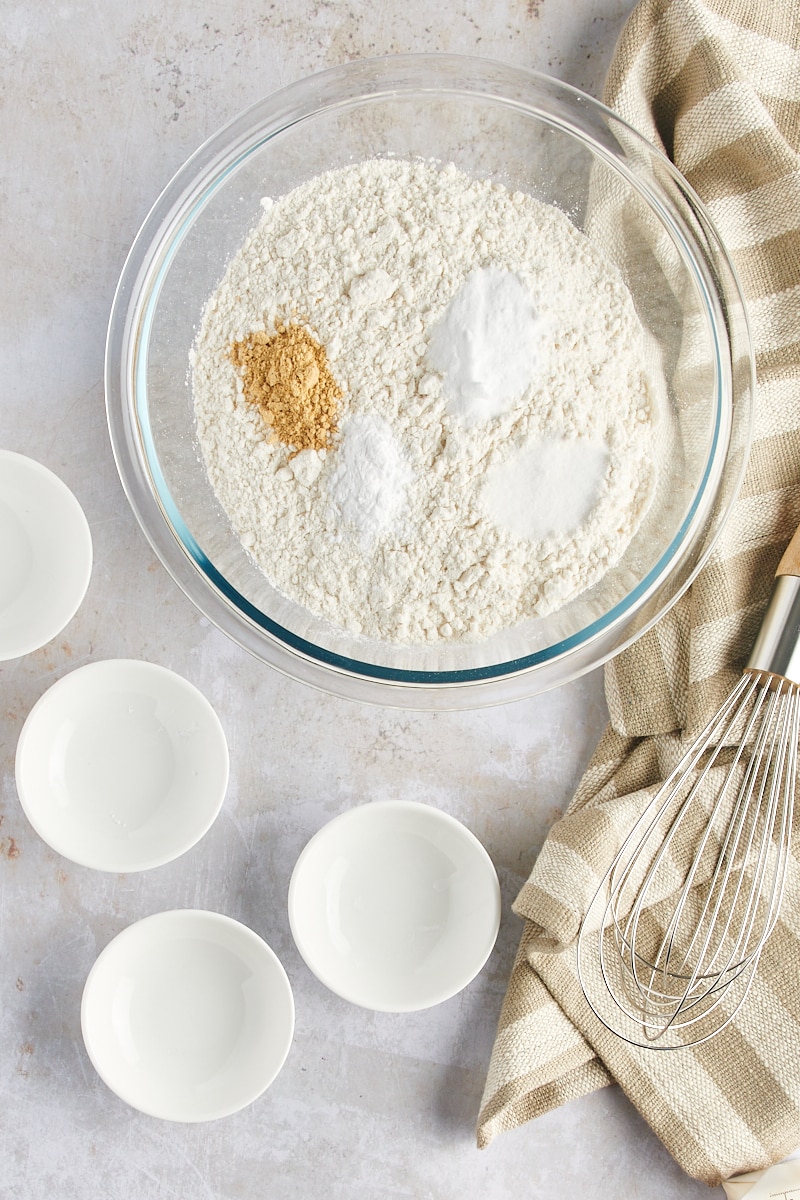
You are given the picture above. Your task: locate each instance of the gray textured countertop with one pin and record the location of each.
(101, 102)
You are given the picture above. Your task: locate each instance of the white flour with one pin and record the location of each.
(426, 543)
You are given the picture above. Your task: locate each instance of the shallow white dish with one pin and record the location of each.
(122, 765)
(394, 905)
(187, 1015)
(46, 555)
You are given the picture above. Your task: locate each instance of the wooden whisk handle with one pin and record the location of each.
(790, 563)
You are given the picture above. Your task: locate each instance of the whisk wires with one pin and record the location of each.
(670, 945)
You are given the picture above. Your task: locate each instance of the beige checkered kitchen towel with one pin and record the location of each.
(716, 85)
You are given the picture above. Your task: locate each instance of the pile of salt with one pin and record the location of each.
(371, 477)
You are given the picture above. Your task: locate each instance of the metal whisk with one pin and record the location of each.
(671, 941)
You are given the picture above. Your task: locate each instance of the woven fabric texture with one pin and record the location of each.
(715, 84)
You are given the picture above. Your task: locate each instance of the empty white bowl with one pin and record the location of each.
(187, 1015)
(122, 765)
(46, 555)
(394, 905)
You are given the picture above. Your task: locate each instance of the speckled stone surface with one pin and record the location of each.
(100, 103)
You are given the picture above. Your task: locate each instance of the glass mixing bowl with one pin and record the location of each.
(529, 133)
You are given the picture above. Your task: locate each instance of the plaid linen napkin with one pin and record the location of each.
(716, 85)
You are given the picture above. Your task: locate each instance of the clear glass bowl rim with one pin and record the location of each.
(356, 82)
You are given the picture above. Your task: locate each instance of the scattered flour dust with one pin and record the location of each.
(447, 507)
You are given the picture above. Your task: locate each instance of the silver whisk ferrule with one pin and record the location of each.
(777, 647)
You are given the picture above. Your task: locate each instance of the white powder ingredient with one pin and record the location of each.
(369, 483)
(484, 345)
(369, 258)
(546, 490)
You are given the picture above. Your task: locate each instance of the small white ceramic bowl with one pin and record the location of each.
(187, 1015)
(46, 554)
(122, 765)
(394, 905)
